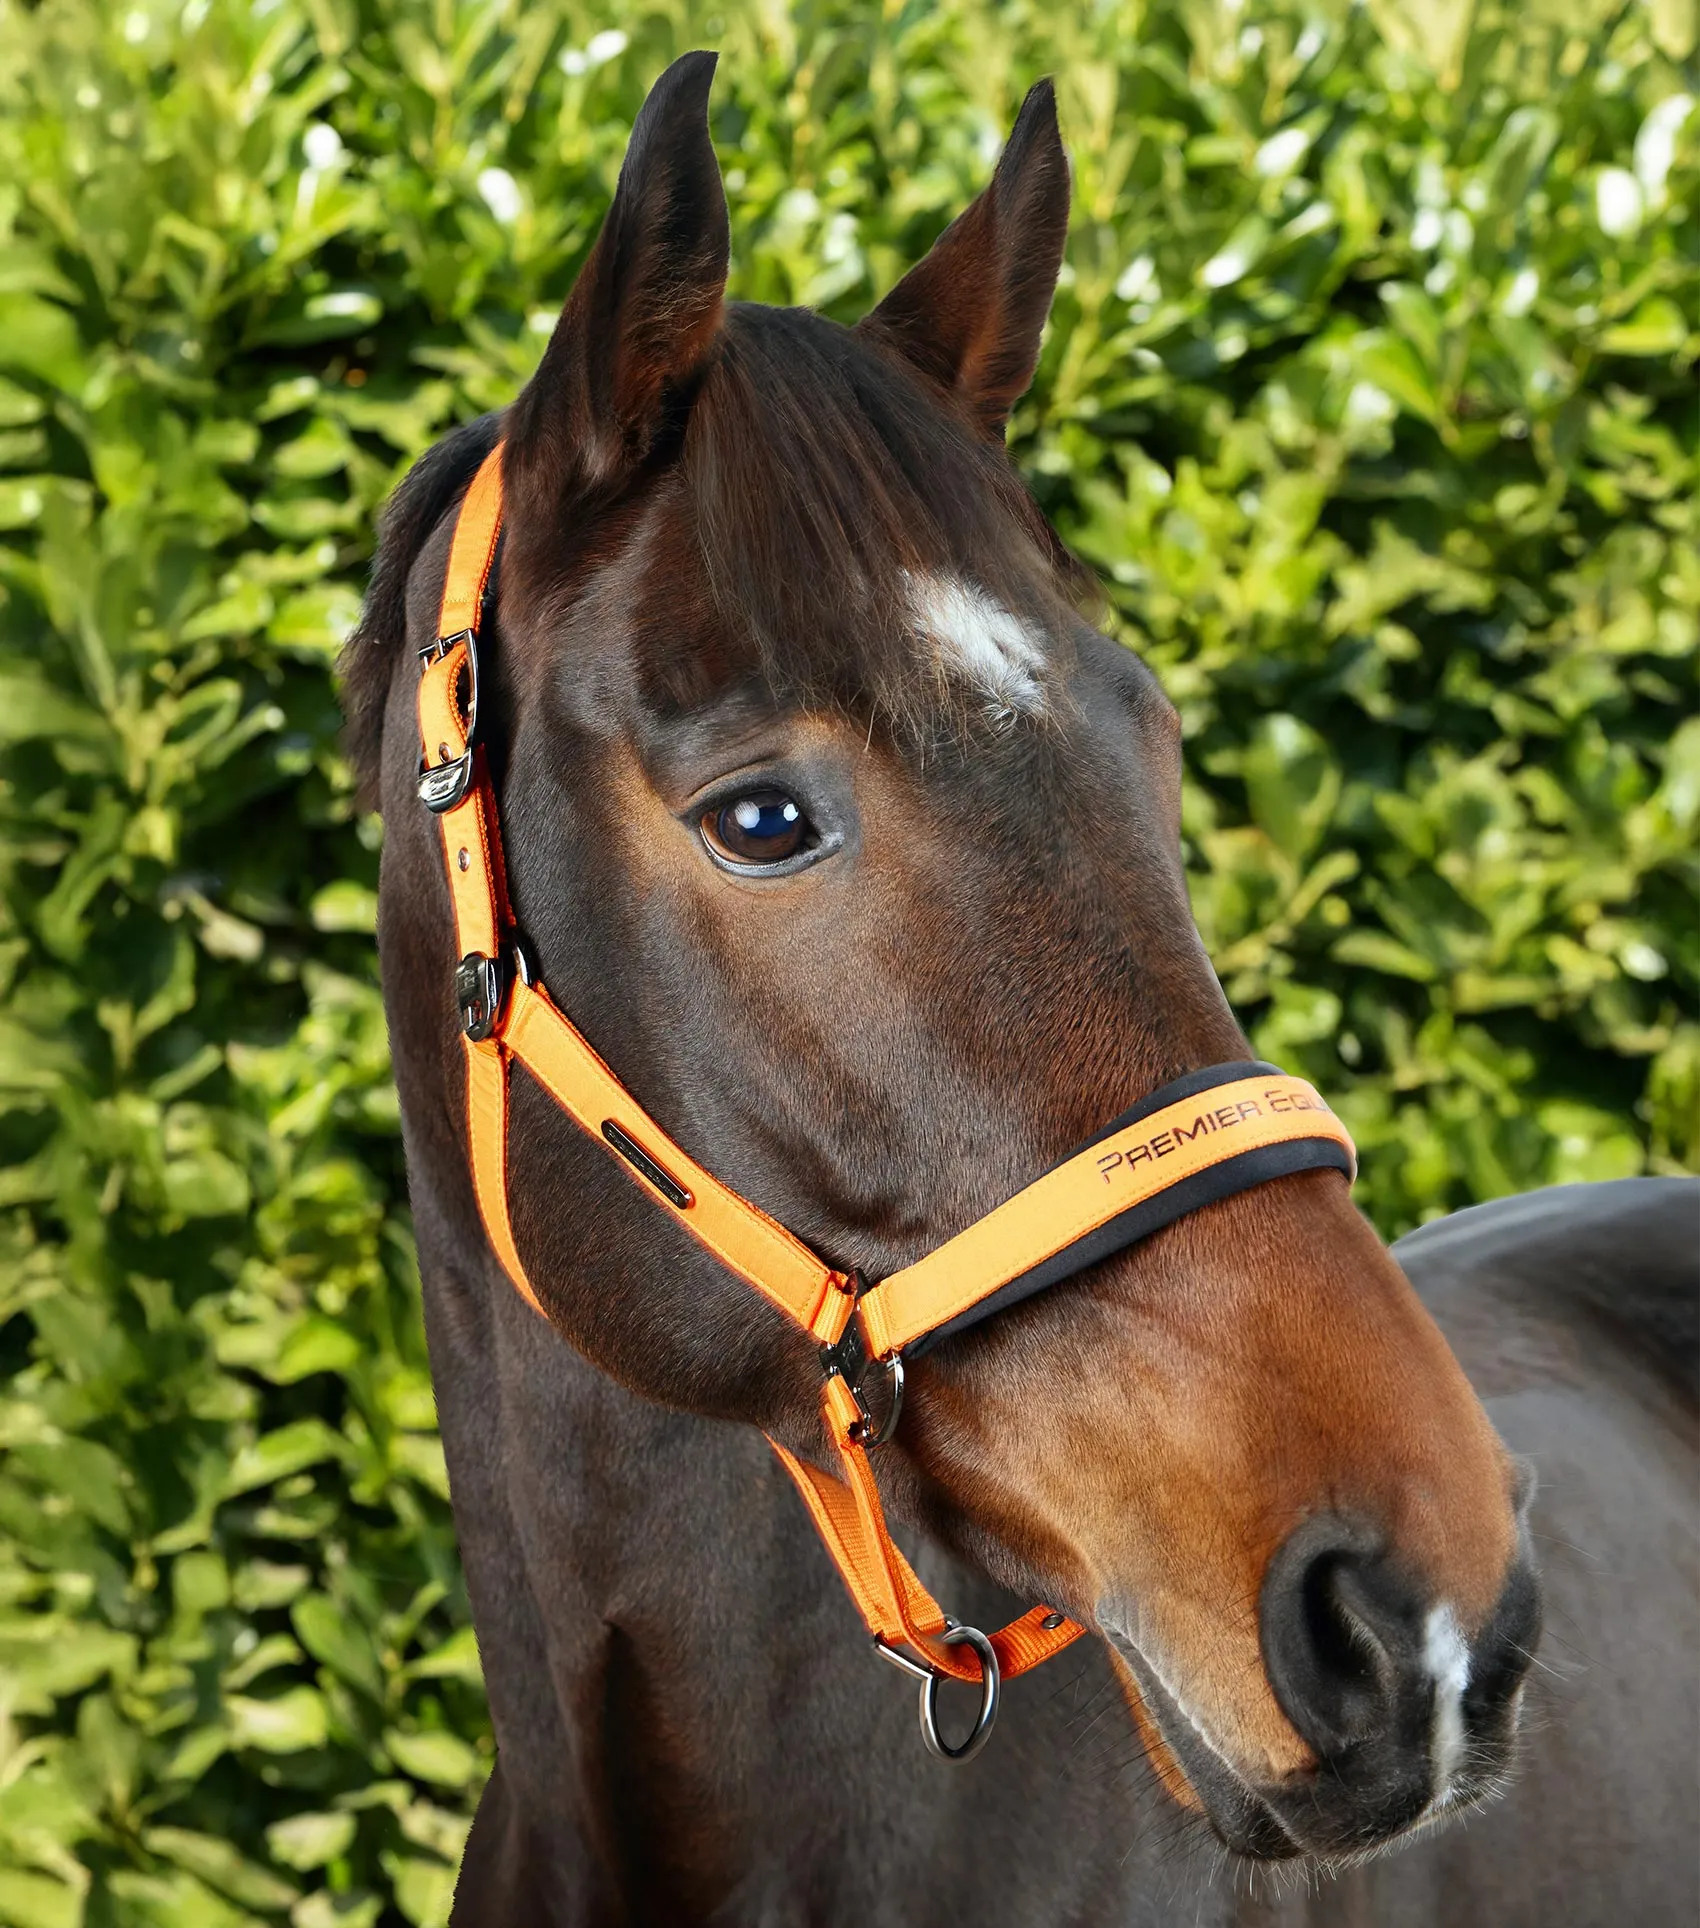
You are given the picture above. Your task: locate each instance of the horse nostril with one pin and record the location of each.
(1340, 1632)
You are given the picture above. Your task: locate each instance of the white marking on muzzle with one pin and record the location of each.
(1446, 1656)
(981, 641)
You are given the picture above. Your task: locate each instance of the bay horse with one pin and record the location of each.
(853, 848)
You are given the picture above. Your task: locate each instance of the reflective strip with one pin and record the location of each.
(1086, 1191)
(742, 1236)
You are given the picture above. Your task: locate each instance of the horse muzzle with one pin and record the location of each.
(1409, 1721)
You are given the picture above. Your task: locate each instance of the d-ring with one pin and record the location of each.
(990, 1686)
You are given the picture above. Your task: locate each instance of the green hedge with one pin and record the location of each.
(1371, 394)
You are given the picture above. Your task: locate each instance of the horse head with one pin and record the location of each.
(854, 847)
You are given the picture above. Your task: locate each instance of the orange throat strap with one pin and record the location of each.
(1204, 1137)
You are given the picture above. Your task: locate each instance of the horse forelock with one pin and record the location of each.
(865, 547)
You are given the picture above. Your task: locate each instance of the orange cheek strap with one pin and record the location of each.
(1206, 1136)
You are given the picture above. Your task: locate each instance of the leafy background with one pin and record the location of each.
(1371, 394)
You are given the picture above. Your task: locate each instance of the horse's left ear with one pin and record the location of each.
(970, 315)
(643, 312)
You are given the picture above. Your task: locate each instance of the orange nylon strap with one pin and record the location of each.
(1090, 1188)
(894, 1606)
(739, 1234)
(472, 865)
(487, 1133)
(536, 1033)
(472, 553)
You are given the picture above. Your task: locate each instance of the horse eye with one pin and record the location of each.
(763, 827)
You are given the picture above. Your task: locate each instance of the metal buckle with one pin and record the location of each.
(443, 785)
(479, 984)
(991, 1688)
(849, 1361)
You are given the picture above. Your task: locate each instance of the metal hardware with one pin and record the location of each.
(640, 1161)
(479, 984)
(991, 1683)
(435, 652)
(443, 785)
(915, 1669)
(849, 1360)
(520, 958)
(1053, 1620)
(872, 1436)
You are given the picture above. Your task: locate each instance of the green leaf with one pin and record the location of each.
(39, 338)
(47, 1659)
(455, 1659)
(1393, 366)
(316, 1345)
(1588, 1144)
(23, 500)
(424, 1889)
(1292, 784)
(307, 1841)
(289, 1724)
(38, 1900)
(303, 1443)
(1657, 327)
(330, 1634)
(443, 1759)
(1376, 951)
(175, 1900)
(220, 1866)
(345, 906)
(331, 316)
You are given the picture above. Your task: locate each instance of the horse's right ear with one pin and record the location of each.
(643, 311)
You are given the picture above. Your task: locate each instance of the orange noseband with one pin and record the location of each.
(1206, 1136)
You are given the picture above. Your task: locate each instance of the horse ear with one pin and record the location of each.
(644, 309)
(970, 314)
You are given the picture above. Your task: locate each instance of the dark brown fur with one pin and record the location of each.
(716, 520)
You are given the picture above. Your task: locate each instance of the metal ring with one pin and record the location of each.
(990, 1685)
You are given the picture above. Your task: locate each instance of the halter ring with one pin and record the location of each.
(991, 1684)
